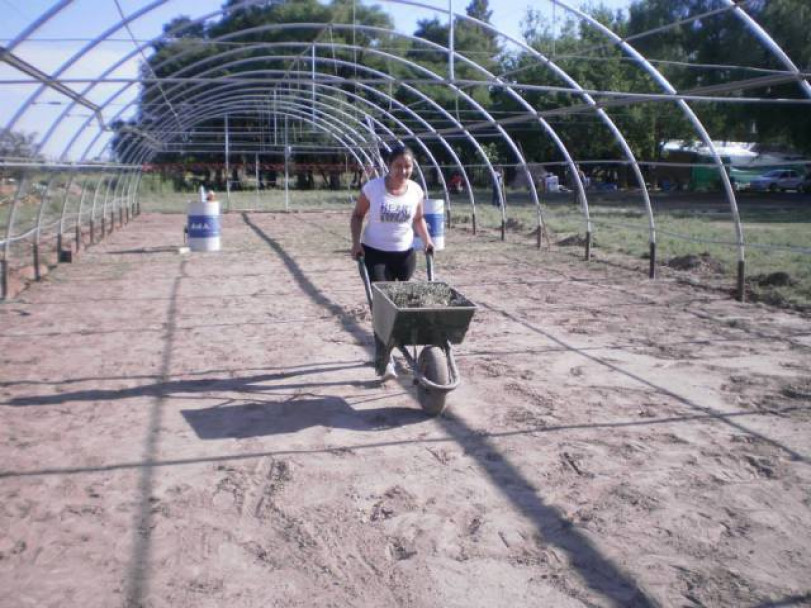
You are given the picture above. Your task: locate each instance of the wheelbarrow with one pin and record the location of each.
(418, 313)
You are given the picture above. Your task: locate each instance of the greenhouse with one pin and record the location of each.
(405, 303)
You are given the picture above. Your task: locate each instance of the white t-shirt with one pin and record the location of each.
(391, 216)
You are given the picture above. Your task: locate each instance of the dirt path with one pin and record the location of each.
(205, 430)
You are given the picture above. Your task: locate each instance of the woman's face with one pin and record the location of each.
(401, 167)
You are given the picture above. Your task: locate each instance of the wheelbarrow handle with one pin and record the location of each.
(364, 275)
(429, 264)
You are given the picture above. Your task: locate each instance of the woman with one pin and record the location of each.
(394, 207)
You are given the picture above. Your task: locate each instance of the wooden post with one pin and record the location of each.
(4, 278)
(37, 275)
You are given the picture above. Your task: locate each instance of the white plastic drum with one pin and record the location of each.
(204, 226)
(434, 212)
(552, 183)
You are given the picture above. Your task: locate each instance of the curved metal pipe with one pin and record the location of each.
(509, 141)
(389, 99)
(696, 122)
(770, 44)
(218, 111)
(216, 96)
(472, 102)
(347, 116)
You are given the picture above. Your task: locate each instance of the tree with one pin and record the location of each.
(186, 43)
(723, 42)
(14, 144)
(479, 9)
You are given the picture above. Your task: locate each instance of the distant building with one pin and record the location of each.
(692, 162)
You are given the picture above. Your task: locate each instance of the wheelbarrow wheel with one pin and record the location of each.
(433, 366)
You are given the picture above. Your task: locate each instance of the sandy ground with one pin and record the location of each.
(205, 430)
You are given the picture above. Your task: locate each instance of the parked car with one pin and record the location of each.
(777, 179)
(805, 185)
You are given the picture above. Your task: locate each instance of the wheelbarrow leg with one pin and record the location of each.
(382, 356)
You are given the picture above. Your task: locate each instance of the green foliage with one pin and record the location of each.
(476, 46)
(233, 46)
(688, 55)
(691, 56)
(15, 144)
(722, 40)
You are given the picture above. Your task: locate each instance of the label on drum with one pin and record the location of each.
(204, 226)
(436, 224)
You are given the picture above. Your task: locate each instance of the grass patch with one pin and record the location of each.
(776, 238)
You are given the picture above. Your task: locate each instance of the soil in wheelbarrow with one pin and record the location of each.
(424, 295)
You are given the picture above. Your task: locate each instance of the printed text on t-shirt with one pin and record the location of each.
(394, 213)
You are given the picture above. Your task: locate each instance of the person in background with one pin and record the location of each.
(498, 187)
(455, 183)
(393, 208)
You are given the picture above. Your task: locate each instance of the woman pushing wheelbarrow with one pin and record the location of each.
(394, 206)
(413, 313)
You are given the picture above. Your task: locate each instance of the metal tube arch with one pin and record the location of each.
(182, 127)
(545, 125)
(388, 98)
(688, 111)
(78, 55)
(469, 188)
(405, 128)
(458, 91)
(219, 112)
(38, 227)
(77, 228)
(432, 75)
(381, 125)
(750, 23)
(446, 145)
(604, 117)
(391, 134)
(770, 44)
(62, 214)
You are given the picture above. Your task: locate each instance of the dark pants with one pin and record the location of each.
(387, 266)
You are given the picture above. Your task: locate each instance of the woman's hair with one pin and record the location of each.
(398, 151)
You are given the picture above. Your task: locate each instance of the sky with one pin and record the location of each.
(507, 14)
(82, 20)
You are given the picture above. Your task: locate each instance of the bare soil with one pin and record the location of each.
(193, 430)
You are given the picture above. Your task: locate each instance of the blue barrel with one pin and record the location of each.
(434, 213)
(204, 226)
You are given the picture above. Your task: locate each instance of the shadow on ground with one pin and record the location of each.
(263, 419)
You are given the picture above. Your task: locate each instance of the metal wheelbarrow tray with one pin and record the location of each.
(420, 313)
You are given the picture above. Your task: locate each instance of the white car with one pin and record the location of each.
(778, 179)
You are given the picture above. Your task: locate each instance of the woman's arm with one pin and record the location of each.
(421, 228)
(356, 224)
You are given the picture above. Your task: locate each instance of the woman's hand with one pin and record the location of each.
(421, 229)
(356, 251)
